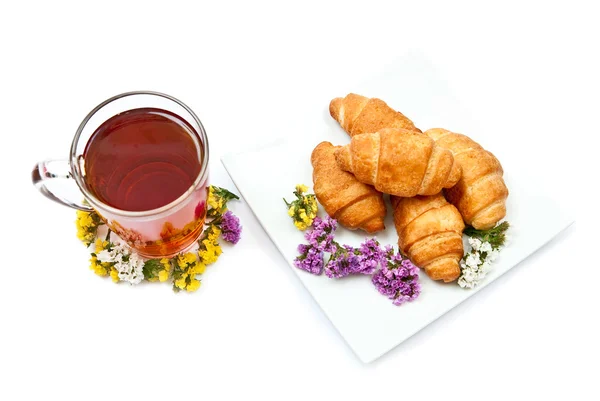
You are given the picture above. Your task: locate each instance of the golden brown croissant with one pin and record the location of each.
(352, 203)
(399, 162)
(358, 115)
(430, 234)
(480, 194)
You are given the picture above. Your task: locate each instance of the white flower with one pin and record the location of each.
(465, 284)
(491, 256)
(106, 256)
(485, 267)
(119, 248)
(129, 265)
(475, 243)
(485, 247)
(473, 260)
(473, 268)
(469, 277)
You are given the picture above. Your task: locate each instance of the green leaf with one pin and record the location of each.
(151, 268)
(224, 193)
(496, 236)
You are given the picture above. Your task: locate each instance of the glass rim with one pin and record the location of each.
(97, 203)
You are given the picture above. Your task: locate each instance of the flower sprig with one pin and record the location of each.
(122, 263)
(398, 278)
(303, 209)
(209, 248)
(217, 200)
(119, 261)
(495, 236)
(185, 273)
(158, 269)
(485, 244)
(100, 267)
(87, 224)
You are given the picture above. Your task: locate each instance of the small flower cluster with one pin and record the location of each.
(158, 269)
(397, 279)
(321, 236)
(485, 245)
(303, 209)
(348, 260)
(321, 239)
(187, 268)
(217, 200)
(122, 263)
(310, 259)
(98, 266)
(87, 226)
(209, 248)
(231, 228)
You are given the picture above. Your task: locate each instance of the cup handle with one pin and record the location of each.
(48, 170)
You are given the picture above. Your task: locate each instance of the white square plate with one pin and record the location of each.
(368, 321)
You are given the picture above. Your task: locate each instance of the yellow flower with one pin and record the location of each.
(301, 225)
(166, 263)
(193, 285)
(84, 236)
(199, 268)
(163, 276)
(86, 224)
(211, 253)
(190, 257)
(97, 267)
(100, 245)
(303, 209)
(216, 202)
(114, 275)
(84, 219)
(180, 283)
(99, 270)
(301, 188)
(186, 259)
(214, 233)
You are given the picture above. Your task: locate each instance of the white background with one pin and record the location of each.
(528, 71)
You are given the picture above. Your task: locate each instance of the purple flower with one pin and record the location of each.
(398, 279)
(370, 255)
(230, 225)
(349, 260)
(343, 263)
(310, 259)
(321, 236)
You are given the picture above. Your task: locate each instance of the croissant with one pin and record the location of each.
(480, 194)
(399, 162)
(430, 234)
(352, 203)
(358, 115)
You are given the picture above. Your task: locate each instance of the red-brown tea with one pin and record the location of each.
(141, 159)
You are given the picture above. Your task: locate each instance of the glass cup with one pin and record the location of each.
(161, 232)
